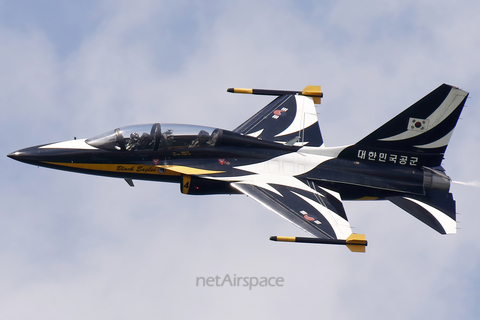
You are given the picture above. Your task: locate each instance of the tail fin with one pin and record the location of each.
(421, 132)
(290, 119)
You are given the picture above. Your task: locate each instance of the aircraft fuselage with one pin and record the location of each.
(352, 179)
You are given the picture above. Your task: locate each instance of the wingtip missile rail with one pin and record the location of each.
(355, 242)
(310, 91)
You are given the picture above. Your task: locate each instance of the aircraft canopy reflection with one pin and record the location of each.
(156, 136)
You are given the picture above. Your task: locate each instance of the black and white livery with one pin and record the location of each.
(277, 157)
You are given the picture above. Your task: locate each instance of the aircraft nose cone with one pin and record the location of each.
(25, 155)
(13, 155)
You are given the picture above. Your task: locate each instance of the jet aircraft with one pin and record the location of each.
(277, 157)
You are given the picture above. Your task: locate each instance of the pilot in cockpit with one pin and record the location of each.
(202, 139)
(137, 142)
(132, 143)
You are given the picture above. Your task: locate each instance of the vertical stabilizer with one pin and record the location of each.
(420, 134)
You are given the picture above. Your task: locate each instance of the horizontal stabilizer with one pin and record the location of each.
(437, 209)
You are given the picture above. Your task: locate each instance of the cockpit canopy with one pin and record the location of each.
(150, 137)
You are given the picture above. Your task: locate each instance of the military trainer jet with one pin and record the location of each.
(277, 158)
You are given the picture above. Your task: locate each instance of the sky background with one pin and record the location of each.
(85, 247)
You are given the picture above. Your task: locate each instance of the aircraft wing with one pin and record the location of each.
(289, 120)
(319, 212)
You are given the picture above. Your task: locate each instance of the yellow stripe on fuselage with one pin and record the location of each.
(367, 198)
(169, 170)
(188, 170)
